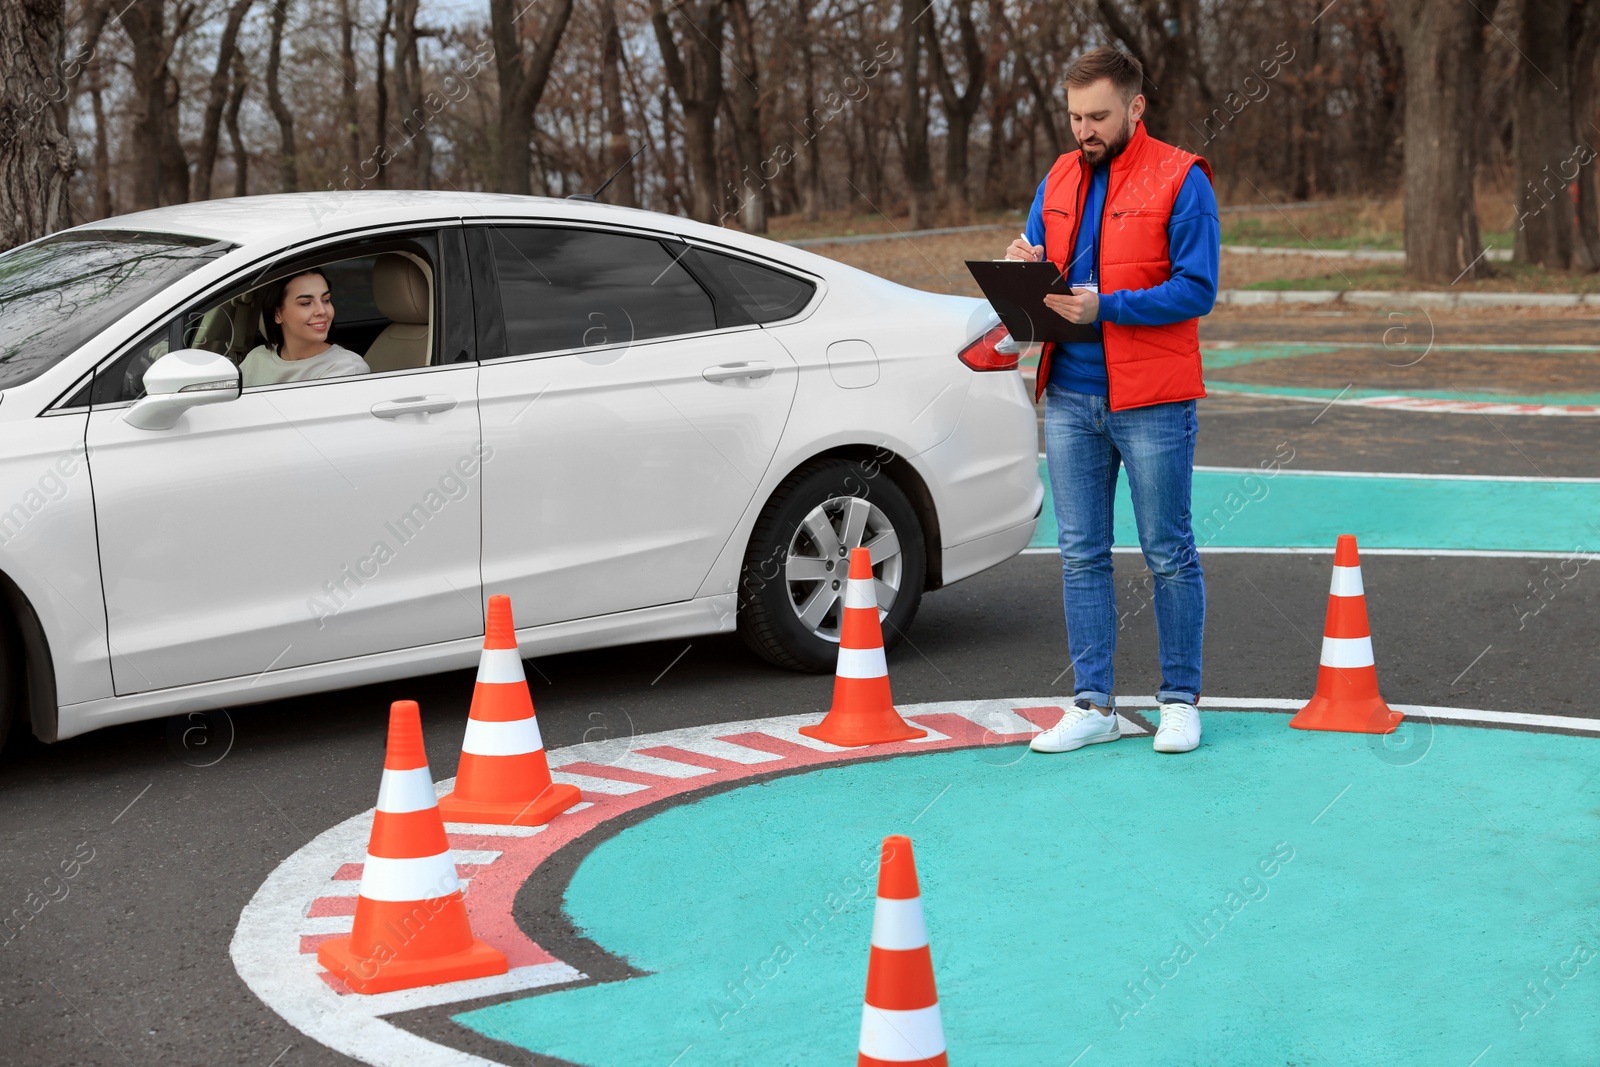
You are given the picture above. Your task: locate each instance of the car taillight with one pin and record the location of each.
(994, 350)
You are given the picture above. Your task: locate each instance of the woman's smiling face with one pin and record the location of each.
(306, 313)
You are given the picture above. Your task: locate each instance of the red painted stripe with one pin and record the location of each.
(615, 774)
(901, 979)
(309, 942)
(1042, 717)
(323, 907)
(963, 730)
(700, 759)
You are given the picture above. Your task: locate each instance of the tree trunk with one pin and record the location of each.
(380, 92)
(37, 157)
(174, 163)
(1441, 41)
(914, 111)
(349, 105)
(811, 191)
(288, 172)
(618, 148)
(104, 207)
(145, 25)
(696, 80)
(522, 77)
(241, 157)
(216, 100)
(745, 100)
(1542, 136)
(1585, 110)
(959, 107)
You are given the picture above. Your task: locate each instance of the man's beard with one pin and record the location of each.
(1112, 149)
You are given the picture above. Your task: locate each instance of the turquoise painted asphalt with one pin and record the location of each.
(1296, 509)
(1279, 898)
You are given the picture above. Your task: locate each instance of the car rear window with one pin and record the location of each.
(58, 293)
(749, 292)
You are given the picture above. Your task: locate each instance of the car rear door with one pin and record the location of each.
(300, 523)
(631, 419)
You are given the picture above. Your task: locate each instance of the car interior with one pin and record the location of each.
(383, 311)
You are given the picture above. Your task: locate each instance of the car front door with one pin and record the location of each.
(631, 419)
(302, 522)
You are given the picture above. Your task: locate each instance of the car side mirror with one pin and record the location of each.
(182, 380)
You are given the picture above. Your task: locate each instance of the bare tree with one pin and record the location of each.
(349, 105)
(745, 100)
(217, 100)
(696, 80)
(37, 157)
(959, 105)
(380, 90)
(914, 112)
(408, 94)
(522, 75)
(288, 169)
(241, 155)
(1441, 41)
(617, 147)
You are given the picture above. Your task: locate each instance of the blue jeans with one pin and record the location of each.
(1085, 441)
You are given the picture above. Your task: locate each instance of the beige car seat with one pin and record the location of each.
(403, 292)
(228, 329)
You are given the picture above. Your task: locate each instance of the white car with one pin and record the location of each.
(637, 426)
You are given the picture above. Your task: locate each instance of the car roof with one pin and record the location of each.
(284, 219)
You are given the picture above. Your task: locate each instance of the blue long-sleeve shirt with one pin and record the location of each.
(1194, 238)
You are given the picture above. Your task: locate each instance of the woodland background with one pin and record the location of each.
(1475, 113)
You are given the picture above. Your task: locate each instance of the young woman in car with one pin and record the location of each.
(297, 313)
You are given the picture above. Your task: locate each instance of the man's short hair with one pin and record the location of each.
(1125, 72)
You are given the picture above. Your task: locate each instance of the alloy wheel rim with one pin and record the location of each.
(818, 560)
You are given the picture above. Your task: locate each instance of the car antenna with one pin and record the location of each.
(596, 194)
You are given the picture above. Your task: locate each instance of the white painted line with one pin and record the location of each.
(1225, 550)
(476, 857)
(727, 750)
(489, 829)
(661, 768)
(1394, 475)
(513, 981)
(327, 924)
(608, 786)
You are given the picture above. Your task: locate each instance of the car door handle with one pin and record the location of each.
(413, 405)
(727, 372)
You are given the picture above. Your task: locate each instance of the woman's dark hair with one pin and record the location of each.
(272, 299)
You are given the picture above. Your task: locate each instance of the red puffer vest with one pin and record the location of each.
(1144, 364)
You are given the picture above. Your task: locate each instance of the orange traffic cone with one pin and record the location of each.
(863, 708)
(1347, 681)
(900, 1022)
(504, 776)
(411, 925)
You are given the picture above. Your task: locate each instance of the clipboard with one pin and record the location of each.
(1016, 290)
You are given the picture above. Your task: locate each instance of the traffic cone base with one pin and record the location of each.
(863, 707)
(546, 806)
(1346, 698)
(478, 960)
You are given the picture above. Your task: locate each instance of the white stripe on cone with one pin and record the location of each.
(1347, 652)
(1346, 582)
(403, 791)
(422, 878)
(516, 737)
(898, 924)
(901, 1035)
(860, 593)
(501, 665)
(862, 663)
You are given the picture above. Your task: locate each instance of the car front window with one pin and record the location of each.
(58, 293)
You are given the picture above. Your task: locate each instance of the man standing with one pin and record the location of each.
(1132, 223)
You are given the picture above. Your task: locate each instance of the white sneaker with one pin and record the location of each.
(1081, 725)
(1180, 728)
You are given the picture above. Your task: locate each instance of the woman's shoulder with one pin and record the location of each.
(259, 353)
(338, 355)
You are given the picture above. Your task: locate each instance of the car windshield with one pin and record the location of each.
(58, 293)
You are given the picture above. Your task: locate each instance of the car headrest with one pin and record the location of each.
(400, 289)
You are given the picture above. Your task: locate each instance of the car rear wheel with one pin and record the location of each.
(791, 590)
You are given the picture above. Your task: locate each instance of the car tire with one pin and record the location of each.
(789, 617)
